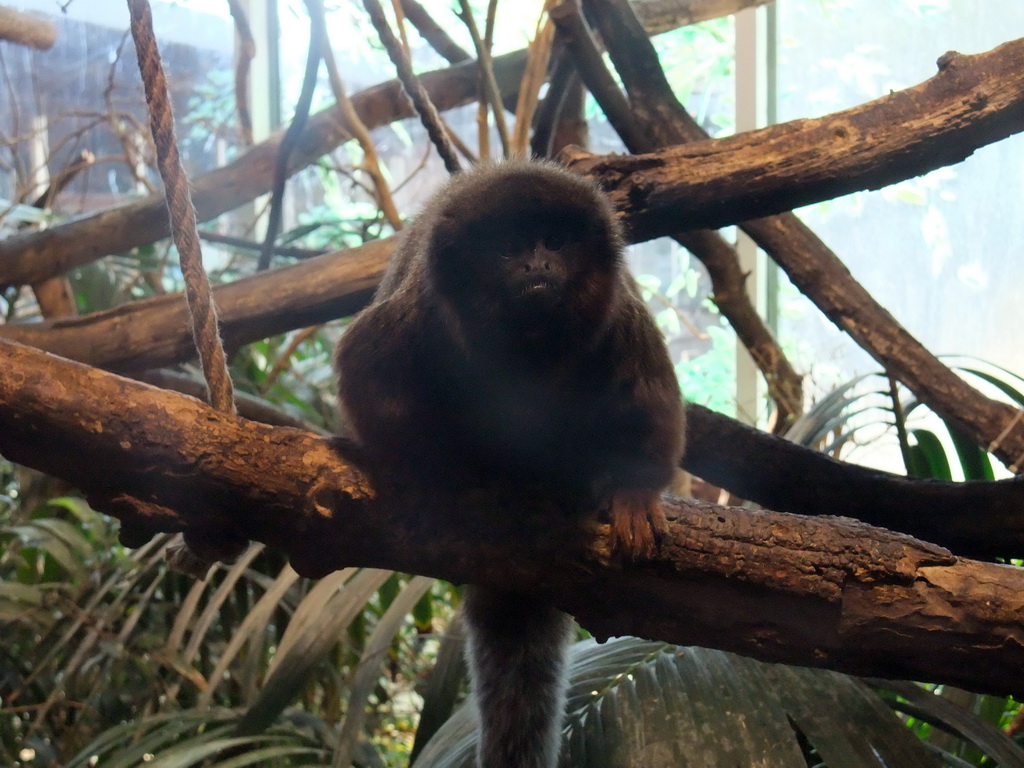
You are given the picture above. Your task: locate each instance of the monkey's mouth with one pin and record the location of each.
(538, 289)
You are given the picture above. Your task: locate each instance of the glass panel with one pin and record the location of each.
(941, 252)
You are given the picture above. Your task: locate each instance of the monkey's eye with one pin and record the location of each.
(555, 240)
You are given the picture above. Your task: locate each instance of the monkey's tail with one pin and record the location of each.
(517, 652)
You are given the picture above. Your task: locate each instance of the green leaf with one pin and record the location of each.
(634, 703)
(368, 670)
(313, 630)
(930, 449)
(924, 704)
(974, 460)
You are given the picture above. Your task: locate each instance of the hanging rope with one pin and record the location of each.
(414, 90)
(183, 216)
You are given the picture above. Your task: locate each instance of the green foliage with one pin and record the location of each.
(699, 62)
(634, 703)
(871, 410)
(710, 379)
(108, 653)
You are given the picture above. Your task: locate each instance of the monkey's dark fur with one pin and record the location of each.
(507, 345)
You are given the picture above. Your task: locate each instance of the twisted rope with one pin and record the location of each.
(417, 93)
(201, 306)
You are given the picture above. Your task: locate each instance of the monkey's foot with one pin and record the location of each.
(637, 523)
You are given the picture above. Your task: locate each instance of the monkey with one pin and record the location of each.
(506, 344)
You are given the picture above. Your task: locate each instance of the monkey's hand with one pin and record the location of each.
(637, 522)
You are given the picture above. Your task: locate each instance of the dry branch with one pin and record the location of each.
(812, 267)
(756, 466)
(54, 295)
(822, 592)
(28, 258)
(972, 101)
(663, 15)
(24, 29)
(977, 518)
(433, 33)
(155, 332)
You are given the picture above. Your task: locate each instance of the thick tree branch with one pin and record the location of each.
(663, 15)
(821, 592)
(813, 268)
(32, 257)
(976, 518)
(433, 32)
(153, 333)
(972, 101)
(24, 29)
(770, 471)
(131, 336)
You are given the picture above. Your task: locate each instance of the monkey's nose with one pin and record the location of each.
(537, 262)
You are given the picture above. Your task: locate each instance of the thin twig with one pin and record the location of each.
(371, 161)
(433, 32)
(293, 134)
(246, 53)
(538, 54)
(250, 245)
(488, 84)
(547, 115)
(283, 361)
(396, 7)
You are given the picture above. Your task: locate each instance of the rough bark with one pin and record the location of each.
(813, 591)
(745, 461)
(662, 15)
(155, 332)
(812, 267)
(976, 518)
(972, 101)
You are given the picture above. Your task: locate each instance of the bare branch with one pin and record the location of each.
(24, 29)
(973, 101)
(245, 52)
(155, 332)
(809, 263)
(28, 258)
(663, 15)
(813, 591)
(433, 32)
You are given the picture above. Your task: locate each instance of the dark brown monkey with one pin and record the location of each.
(507, 344)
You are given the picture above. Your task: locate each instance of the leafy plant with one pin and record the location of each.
(638, 703)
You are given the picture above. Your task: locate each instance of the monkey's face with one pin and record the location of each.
(526, 274)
